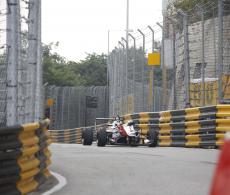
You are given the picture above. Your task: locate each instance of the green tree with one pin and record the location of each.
(188, 5)
(92, 70)
(58, 71)
(193, 8)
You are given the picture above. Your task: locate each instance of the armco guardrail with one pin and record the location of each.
(24, 157)
(191, 127)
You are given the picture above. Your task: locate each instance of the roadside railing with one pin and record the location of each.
(191, 127)
(66, 136)
(73, 136)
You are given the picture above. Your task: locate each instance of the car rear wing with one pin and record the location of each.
(103, 119)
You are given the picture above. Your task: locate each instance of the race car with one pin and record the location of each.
(124, 134)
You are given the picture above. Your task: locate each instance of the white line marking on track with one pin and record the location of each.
(61, 183)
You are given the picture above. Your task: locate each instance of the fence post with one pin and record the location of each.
(220, 50)
(174, 69)
(164, 71)
(134, 68)
(186, 58)
(187, 65)
(126, 74)
(152, 108)
(116, 50)
(107, 74)
(21, 74)
(142, 70)
(13, 59)
(201, 10)
(39, 78)
(122, 88)
(203, 60)
(114, 81)
(32, 61)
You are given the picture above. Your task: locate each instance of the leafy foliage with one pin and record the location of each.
(92, 70)
(188, 5)
(60, 72)
(193, 8)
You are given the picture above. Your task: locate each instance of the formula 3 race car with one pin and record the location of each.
(124, 134)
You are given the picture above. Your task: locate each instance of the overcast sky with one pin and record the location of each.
(81, 26)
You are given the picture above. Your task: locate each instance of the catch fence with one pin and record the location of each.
(21, 96)
(76, 106)
(195, 61)
(130, 78)
(201, 36)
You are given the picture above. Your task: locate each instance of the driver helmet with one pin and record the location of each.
(117, 118)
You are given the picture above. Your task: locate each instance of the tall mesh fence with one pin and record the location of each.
(198, 53)
(71, 109)
(23, 62)
(19, 29)
(130, 80)
(3, 63)
(195, 61)
(198, 41)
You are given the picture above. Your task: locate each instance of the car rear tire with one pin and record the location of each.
(153, 138)
(133, 142)
(101, 138)
(87, 137)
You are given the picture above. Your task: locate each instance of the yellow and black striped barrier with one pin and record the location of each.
(24, 157)
(142, 117)
(70, 136)
(174, 115)
(73, 136)
(191, 127)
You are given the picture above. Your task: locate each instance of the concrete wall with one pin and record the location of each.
(195, 53)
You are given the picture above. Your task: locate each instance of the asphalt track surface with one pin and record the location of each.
(116, 170)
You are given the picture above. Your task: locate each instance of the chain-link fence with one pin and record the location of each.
(131, 80)
(3, 63)
(20, 62)
(201, 36)
(76, 106)
(195, 61)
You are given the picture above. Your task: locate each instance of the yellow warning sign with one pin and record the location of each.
(154, 59)
(50, 102)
